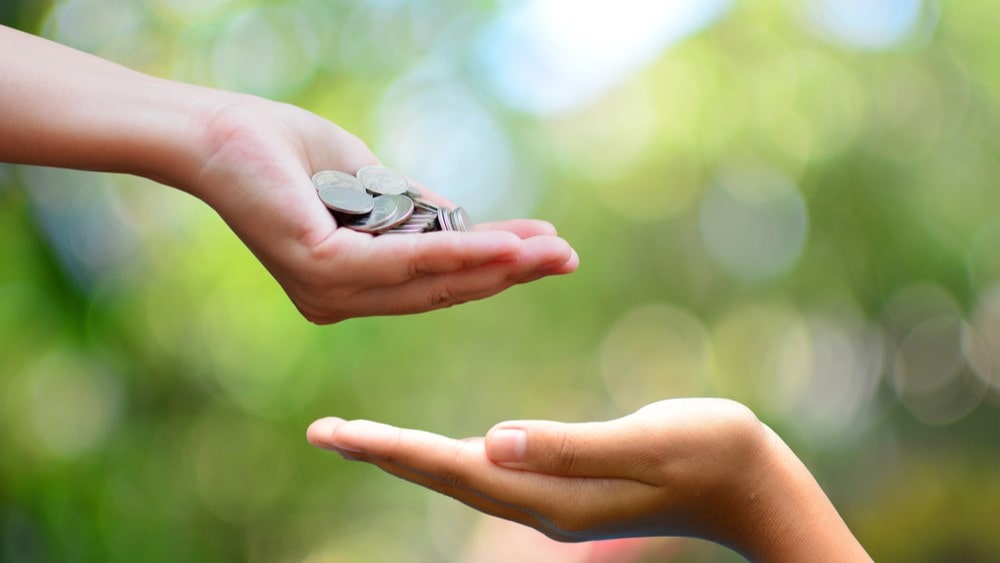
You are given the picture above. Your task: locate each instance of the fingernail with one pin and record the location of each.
(507, 445)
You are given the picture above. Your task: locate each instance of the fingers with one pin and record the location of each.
(443, 290)
(470, 497)
(528, 228)
(620, 448)
(352, 274)
(394, 259)
(565, 508)
(439, 454)
(456, 468)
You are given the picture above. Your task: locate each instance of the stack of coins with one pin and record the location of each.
(380, 200)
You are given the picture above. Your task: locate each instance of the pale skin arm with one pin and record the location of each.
(251, 160)
(704, 468)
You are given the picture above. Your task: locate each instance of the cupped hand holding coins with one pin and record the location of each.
(251, 160)
(340, 264)
(334, 265)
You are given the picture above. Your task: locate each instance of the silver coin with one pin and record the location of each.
(411, 226)
(346, 200)
(423, 214)
(383, 211)
(413, 191)
(416, 224)
(336, 178)
(423, 224)
(383, 180)
(404, 210)
(384, 201)
(460, 220)
(444, 220)
(404, 230)
(422, 203)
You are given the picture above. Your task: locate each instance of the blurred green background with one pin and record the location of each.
(791, 204)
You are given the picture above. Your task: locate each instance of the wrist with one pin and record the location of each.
(164, 136)
(788, 516)
(70, 109)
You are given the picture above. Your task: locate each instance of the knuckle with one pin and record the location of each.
(440, 297)
(566, 454)
(452, 479)
(448, 473)
(418, 268)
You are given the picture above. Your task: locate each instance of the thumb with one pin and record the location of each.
(588, 449)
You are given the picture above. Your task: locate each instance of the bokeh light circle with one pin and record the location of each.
(269, 51)
(867, 24)
(654, 352)
(762, 355)
(754, 223)
(70, 405)
(432, 127)
(981, 339)
(936, 355)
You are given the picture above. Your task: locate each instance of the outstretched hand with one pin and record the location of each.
(684, 467)
(261, 156)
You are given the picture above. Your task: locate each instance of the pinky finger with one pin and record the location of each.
(469, 497)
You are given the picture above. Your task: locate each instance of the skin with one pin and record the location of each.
(705, 468)
(251, 160)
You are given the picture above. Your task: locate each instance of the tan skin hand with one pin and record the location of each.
(686, 467)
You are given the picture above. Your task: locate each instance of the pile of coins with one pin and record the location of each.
(380, 200)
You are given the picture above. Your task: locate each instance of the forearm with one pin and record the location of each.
(62, 107)
(792, 519)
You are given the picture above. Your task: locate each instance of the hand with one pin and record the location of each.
(691, 467)
(262, 155)
(252, 161)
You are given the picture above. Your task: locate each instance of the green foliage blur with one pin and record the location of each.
(764, 210)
